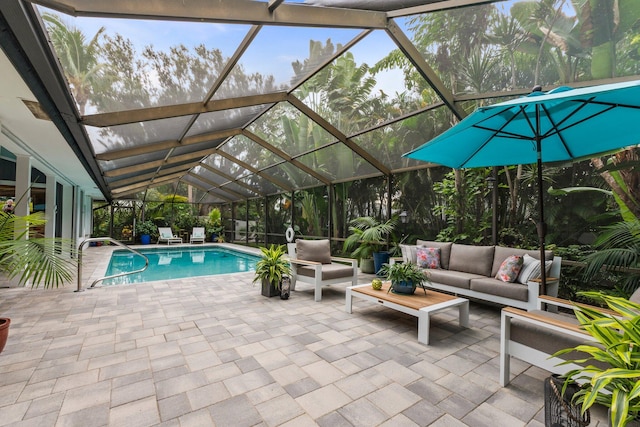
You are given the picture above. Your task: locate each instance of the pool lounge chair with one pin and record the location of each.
(197, 235)
(166, 235)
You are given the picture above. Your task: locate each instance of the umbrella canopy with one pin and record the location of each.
(560, 125)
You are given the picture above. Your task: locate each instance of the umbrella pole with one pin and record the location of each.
(541, 226)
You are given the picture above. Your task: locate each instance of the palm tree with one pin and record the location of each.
(618, 251)
(79, 59)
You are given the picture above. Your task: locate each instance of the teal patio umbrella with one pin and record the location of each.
(564, 124)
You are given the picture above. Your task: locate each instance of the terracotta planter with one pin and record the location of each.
(4, 332)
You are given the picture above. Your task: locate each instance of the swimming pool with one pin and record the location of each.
(177, 262)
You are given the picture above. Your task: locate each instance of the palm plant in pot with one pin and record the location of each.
(37, 260)
(404, 277)
(366, 239)
(271, 268)
(615, 380)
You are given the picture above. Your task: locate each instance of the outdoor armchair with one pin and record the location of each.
(533, 336)
(311, 262)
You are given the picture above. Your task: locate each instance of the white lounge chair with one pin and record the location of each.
(166, 235)
(197, 235)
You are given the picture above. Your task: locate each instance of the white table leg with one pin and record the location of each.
(348, 301)
(464, 314)
(424, 320)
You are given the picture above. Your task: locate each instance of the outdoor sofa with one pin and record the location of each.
(471, 271)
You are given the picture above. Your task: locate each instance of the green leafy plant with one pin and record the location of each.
(404, 272)
(214, 225)
(367, 236)
(146, 227)
(272, 266)
(41, 260)
(617, 336)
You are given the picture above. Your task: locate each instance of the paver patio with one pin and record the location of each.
(213, 351)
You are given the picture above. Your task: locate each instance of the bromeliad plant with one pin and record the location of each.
(617, 345)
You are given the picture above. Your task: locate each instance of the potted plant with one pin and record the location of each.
(366, 241)
(271, 268)
(404, 277)
(145, 229)
(617, 384)
(38, 260)
(214, 225)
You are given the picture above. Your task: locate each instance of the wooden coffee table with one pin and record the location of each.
(419, 305)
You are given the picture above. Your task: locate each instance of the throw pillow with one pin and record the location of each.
(428, 257)
(510, 268)
(531, 269)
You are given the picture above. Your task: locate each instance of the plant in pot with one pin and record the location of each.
(271, 268)
(365, 242)
(146, 229)
(37, 260)
(404, 277)
(214, 225)
(614, 380)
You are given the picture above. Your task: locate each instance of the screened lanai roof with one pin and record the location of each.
(244, 99)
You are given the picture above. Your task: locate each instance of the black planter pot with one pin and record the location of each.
(269, 290)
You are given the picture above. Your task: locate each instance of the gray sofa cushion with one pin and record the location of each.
(501, 253)
(471, 259)
(499, 288)
(314, 250)
(329, 271)
(452, 278)
(445, 250)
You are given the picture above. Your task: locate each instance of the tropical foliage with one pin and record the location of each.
(50, 262)
(273, 265)
(617, 338)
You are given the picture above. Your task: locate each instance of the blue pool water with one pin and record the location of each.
(177, 262)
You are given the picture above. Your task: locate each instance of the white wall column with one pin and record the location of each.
(67, 212)
(50, 207)
(23, 185)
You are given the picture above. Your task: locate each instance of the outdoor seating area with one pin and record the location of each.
(166, 352)
(340, 213)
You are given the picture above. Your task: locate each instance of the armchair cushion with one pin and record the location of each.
(329, 271)
(314, 250)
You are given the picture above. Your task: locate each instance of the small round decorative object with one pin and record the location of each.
(376, 284)
(290, 234)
